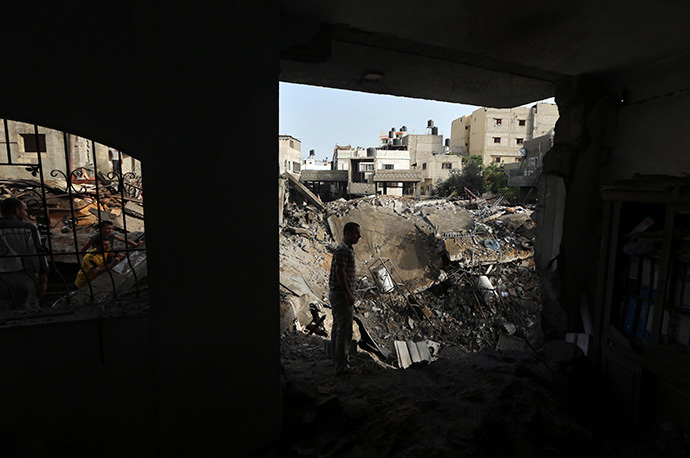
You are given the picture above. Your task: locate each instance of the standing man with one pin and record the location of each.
(340, 285)
(23, 267)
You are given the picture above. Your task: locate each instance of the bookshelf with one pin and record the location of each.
(643, 313)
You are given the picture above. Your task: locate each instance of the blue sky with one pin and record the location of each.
(321, 117)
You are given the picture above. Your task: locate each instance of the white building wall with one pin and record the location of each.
(289, 154)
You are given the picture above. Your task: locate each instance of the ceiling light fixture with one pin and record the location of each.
(373, 76)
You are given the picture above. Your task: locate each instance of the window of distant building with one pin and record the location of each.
(295, 166)
(292, 144)
(522, 122)
(467, 127)
(446, 165)
(424, 166)
(520, 140)
(387, 166)
(497, 139)
(498, 121)
(517, 159)
(366, 166)
(33, 146)
(467, 144)
(498, 159)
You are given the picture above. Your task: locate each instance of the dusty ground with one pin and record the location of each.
(485, 404)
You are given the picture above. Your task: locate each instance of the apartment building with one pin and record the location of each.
(499, 134)
(289, 154)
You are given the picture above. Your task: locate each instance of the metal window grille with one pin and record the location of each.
(68, 206)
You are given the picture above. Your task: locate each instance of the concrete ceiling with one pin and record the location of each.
(493, 53)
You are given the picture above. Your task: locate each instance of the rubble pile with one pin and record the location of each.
(66, 219)
(490, 386)
(81, 215)
(462, 275)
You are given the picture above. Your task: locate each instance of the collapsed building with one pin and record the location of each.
(478, 262)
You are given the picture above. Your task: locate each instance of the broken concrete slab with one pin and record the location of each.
(410, 352)
(408, 241)
(304, 191)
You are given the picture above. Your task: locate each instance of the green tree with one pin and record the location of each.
(469, 177)
(497, 182)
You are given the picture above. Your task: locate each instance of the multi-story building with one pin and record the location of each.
(499, 134)
(431, 157)
(289, 154)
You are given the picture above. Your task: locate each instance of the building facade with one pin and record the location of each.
(498, 135)
(289, 154)
(311, 163)
(431, 157)
(21, 143)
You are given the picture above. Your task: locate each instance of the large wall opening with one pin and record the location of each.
(86, 200)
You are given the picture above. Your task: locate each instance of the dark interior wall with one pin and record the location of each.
(653, 127)
(171, 86)
(79, 388)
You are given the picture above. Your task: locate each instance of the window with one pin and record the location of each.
(295, 166)
(498, 121)
(292, 144)
(521, 122)
(520, 140)
(467, 127)
(446, 165)
(366, 166)
(30, 145)
(387, 166)
(497, 139)
(424, 166)
(498, 159)
(517, 159)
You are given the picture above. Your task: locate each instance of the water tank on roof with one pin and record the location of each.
(396, 141)
(403, 129)
(430, 123)
(434, 131)
(447, 141)
(391, 134)
(312, 152)
(371, 152)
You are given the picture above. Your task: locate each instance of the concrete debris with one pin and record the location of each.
(76, 211)
(442, 282)
(410, 352)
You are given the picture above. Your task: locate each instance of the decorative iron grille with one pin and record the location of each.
(69, 206)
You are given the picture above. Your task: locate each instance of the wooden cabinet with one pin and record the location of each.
(643, 313)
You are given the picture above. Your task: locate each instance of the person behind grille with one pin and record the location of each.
(97, 261)
(107, 232)
(23, 266)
